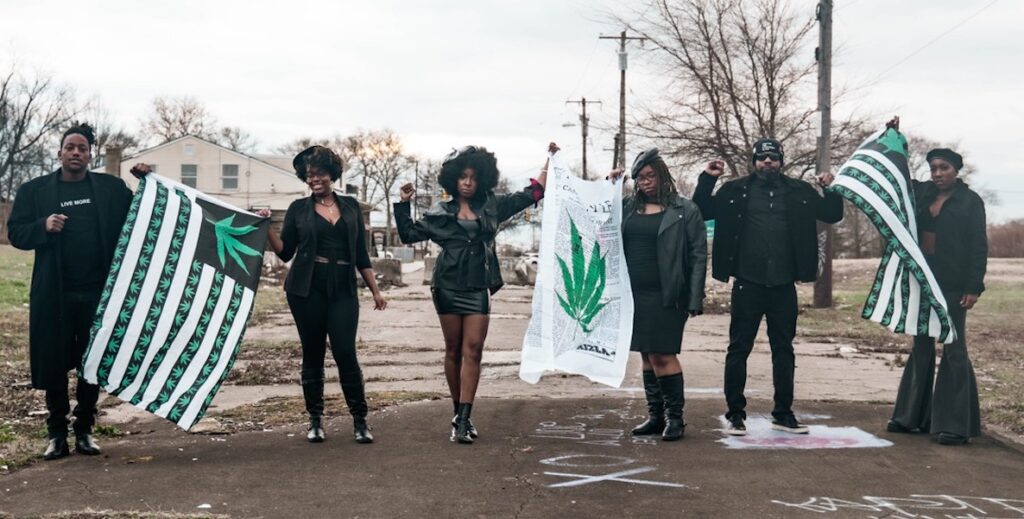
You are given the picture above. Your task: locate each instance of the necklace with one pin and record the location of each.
(322, 201)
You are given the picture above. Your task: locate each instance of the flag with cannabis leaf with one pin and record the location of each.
(582, 302)
(177, 300)
(583, 285)
(905, 297)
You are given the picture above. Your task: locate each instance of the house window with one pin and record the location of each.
(229, 177)
(189, 172)
(189, 149)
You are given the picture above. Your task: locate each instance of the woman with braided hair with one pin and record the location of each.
(665, 244)
(467, 272)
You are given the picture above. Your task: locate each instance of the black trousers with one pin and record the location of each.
(79, 313)
(318, 317)
(751, 302)
(949, 403)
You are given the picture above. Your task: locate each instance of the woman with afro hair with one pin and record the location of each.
(467, 271)
(325, 234)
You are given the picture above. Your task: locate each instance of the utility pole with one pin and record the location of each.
(622, 91)
(823, 55)
(584, 123)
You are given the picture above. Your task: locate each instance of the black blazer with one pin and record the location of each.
(804, 206)
(961, 243)
(26, 229)
(299, 238)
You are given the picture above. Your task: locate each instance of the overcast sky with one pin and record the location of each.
(498, 73)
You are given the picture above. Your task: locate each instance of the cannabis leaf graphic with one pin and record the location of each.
(227, 241)
(584, 285)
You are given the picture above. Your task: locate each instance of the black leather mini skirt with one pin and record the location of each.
(461, 302)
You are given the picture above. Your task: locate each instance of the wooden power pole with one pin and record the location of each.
(823, 55)
(584, 123)
(622, 37)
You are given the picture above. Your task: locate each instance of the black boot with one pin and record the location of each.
(472, 429)
(313, 393)
(316, 430)
(84, 444)
(462, 425)
(655, 407)
(57, 448)
(355, 398)
(672, 389)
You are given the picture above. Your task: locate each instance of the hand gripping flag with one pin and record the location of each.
(176, 302)
(904, 296)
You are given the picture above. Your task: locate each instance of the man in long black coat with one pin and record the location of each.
(766, 239)
(71, 218)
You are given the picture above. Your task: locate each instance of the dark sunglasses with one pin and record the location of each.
(456, 153)
(768, 155)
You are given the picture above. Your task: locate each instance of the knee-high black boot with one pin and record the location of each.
(313, 393)
(672, 389)
(355, 397)
(655, 407)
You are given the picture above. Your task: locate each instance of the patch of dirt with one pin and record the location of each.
(283, 411)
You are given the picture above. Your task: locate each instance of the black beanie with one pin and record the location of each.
(766, 146)
(947, 155)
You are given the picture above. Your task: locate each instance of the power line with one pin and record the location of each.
(931, 42)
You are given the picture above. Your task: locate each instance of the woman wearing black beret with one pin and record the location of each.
(952, 234)
(325, 234)
(665, 244)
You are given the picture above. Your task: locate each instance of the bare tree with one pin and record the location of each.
(175, 117)
(379, 157)
(735, 71)
(33, 110)
(236, 139)
(1006, 240)
(108, 132)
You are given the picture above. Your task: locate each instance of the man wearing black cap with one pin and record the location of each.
(766, 239)
(71, 219)
(952, 234)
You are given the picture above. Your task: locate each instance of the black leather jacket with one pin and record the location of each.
(682, 253)
(804, 206)
(464, 263)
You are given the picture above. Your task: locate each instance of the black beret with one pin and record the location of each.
(947, 155)
(644, 158)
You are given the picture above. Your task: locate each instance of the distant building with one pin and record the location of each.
(247, 181)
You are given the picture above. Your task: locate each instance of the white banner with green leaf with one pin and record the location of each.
(582, 318)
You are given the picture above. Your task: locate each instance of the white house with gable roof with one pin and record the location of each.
(247, 181)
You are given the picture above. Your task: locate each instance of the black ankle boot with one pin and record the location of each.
(57, 448)
(362, 430)
(462, 425)
(672, 390)
(84, 444)
(316, 430)
(655, 422)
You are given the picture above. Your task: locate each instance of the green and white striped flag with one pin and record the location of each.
(904, 296)
(176, 302)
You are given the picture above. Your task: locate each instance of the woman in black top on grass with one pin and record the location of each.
(665, 244)
(467, 270)
(325, 234)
